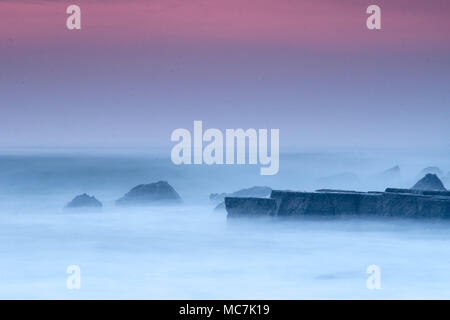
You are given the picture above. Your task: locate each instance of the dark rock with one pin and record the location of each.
(251, 207)
(436, 193)
(422, 192)
(159, 192)
(414, 206)
(430, 182)
(335, 203)
(319, 203)
(84, 201)
(338, 191)
(399, 190)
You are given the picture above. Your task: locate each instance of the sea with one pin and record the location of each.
(190, 250)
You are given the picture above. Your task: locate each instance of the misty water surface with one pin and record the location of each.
(192, 252)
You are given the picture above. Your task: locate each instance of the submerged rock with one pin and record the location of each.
(160, 192)
(422, 192)
(430, 182)
(84, 201)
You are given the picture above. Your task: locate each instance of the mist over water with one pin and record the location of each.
(190, 251)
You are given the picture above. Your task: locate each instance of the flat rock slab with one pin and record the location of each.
(341, 203)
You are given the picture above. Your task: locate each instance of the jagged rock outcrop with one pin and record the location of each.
(430, 182)
(160, 192)
(84, 201)
(339, 203)
(257, 192)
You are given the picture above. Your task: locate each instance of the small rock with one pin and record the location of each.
(84, 201)
(160, 192)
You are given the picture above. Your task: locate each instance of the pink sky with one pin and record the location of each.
(139, 69)
(329, 23)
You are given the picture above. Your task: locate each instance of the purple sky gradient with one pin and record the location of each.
(140, 69)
